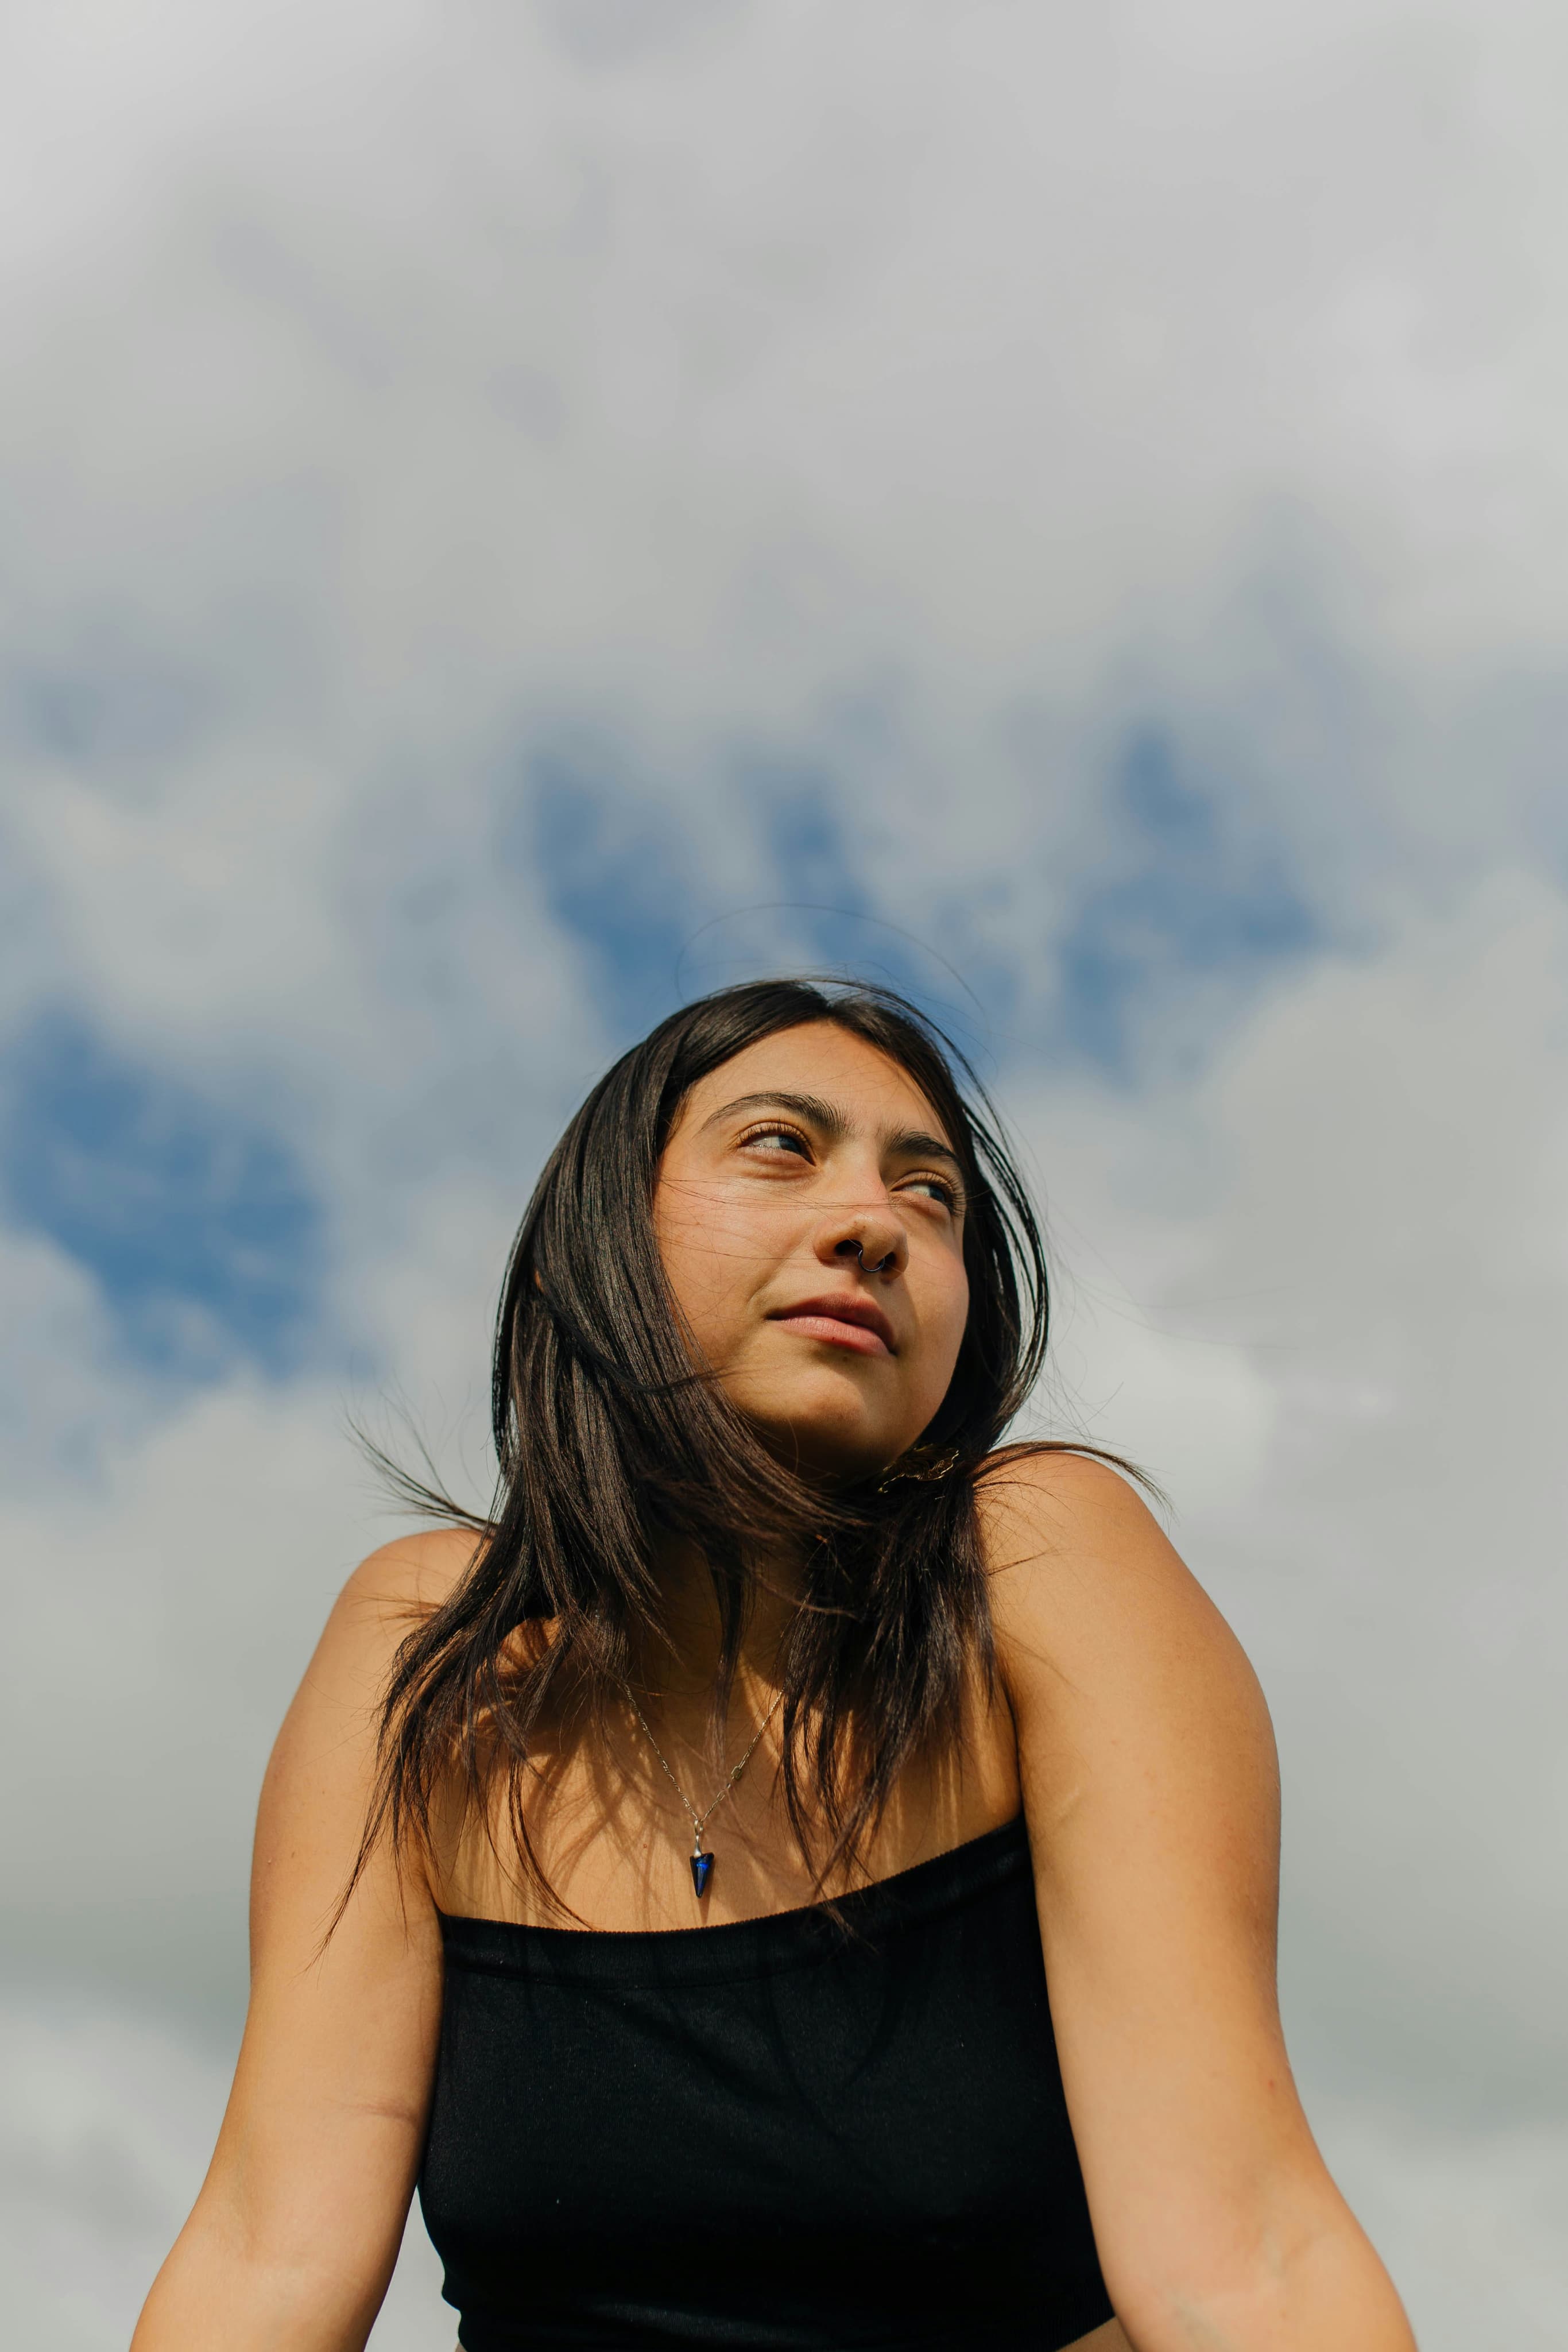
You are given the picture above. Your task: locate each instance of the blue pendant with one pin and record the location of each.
(702, 1871)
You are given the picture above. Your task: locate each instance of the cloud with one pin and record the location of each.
(476, 363)
(200, 1233)
(1326, 1304)
(1470, 2224)
(107, 2126)
(556, 507)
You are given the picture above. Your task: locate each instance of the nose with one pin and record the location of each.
(872, 1237)
(852, 1247)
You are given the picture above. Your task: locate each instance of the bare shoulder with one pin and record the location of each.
(1051, 1505)
(323, 1764)
(1097, 1616)
(391, 1592)
(405, 1579)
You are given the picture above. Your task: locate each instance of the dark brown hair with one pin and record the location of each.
(608, 1434)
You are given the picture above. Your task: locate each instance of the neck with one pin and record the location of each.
(690, 1614)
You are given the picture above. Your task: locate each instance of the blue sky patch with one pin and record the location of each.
(812, 861)
(841, 925)
(623, 873)
(1190, 896)
(615, 875)
(198, 1226)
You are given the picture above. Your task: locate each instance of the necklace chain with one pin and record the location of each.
(699, 1820)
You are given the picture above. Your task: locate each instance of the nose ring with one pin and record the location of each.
(883, 1265)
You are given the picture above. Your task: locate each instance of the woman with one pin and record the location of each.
(669, 1870)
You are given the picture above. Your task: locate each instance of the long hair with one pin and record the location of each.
(610, 1437)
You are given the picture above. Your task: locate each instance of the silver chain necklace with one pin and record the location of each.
(702, 1864)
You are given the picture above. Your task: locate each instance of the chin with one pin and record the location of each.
(828, 1446)
(824, 1422)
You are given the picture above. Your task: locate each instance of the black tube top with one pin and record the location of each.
(769, 2136)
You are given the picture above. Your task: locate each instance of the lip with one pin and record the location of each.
(842, 1322)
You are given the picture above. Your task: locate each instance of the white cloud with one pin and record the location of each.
(59, 1395)
(1470, 2225)
(1329, 1308)
(917, 397)
(462, 362)
(108, 2125)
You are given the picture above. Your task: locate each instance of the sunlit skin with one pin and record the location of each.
(811, 1226)
(808, 1182)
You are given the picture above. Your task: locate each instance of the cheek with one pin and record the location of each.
(948, 1321)
(709, 1263)
(681, 1232)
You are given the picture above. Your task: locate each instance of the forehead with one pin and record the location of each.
(870, 1089)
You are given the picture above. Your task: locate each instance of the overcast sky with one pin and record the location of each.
(510, 515)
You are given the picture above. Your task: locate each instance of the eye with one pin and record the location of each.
(776, 1137)
(940, 1188)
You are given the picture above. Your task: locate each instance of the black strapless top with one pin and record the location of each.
(768, 2135)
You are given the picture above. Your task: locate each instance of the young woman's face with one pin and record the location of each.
(809, 1215)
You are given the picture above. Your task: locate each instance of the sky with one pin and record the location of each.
(513, 515)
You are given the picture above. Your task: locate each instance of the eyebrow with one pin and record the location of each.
(910, 1143)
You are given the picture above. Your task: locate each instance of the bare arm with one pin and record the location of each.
(1151, 1790)
(292, 2240)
